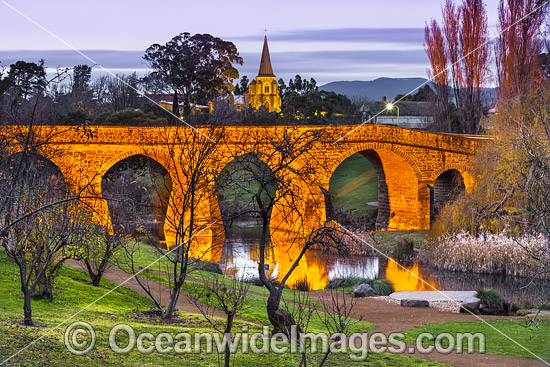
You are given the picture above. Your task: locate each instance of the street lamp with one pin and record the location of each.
(390, 107)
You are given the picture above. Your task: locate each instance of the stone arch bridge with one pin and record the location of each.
(408, 162)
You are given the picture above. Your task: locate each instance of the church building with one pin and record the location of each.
(264, 90)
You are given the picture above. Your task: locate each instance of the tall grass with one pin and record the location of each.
(487, 253)
(491, 298)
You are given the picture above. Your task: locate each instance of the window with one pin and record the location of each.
(267, 89)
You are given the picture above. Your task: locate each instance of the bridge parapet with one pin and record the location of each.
(407, 161)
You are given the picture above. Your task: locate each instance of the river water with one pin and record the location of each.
(240, 259)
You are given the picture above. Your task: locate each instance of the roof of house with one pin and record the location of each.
(265, 63)
(407, 108)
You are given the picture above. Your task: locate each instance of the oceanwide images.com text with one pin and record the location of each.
(80, 339)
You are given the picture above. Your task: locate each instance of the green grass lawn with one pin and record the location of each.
(354, 184)
(255, 308)
(536, 342)
(73, 292)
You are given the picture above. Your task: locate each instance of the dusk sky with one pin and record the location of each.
(324, 39)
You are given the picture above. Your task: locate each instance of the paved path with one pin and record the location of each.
(432, 296)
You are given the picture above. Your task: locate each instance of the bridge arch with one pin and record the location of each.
(158, 155)
(403, 201)
(237, 180)
(357, 148)
(51, 164)
(463, 169)
(122, 180)
(447, 187)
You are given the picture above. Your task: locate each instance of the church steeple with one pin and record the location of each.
(265, 63)
(263, 91)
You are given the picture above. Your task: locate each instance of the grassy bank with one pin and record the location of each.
(73, 292)
(495, 342)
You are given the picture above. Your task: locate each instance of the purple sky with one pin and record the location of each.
(324, 39)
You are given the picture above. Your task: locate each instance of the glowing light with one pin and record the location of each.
(409, 278)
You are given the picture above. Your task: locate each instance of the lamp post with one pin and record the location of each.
(390, 107)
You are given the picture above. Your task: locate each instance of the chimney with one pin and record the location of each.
(383, 98)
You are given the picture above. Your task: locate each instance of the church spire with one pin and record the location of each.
(265, 63)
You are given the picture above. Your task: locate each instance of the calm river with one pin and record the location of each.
(240, 258)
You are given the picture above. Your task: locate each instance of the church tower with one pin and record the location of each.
(264, 90)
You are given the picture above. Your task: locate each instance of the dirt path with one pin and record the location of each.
(388, 318)
(391, 318)
(158, 289)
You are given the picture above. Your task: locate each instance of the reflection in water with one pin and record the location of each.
(240, 258)
(362, 267)
(409, 278)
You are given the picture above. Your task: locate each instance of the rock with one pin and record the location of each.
(493, 311)
(470, 304)
(363, 290)
(415, 303)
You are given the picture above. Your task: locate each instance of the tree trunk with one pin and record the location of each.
(27, 309)
(227, 333)
(169, 312)
(175, 104)
(95, 280)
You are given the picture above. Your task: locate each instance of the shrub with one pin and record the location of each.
(490, 298)
(404, 250)
(347, 282)
(302, 285)
(382, 287)
(208, 266)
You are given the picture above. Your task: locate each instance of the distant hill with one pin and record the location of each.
(373, 90)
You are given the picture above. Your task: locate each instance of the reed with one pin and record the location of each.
(488, 253)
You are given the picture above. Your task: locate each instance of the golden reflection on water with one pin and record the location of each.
(409, 278)
(311, 270)
(242, 259)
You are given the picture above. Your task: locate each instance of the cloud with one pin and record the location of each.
(329, 65)
(115, 59)
(359, 35)
(324, 66)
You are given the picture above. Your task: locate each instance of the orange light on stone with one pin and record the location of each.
(409, 278)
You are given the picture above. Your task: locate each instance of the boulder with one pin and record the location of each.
(415, 303)
(363, 290)
(470, 304)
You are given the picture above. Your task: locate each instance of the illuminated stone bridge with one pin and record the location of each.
(409, 164)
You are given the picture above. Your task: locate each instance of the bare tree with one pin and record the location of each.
(337, 317)
(519, 46)
(466, 53)
(273, 178)
(301, 308)
(230, 299)
(435, 48)
(43, 224)
(40, 215)
(189, 164)
(98, 250)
